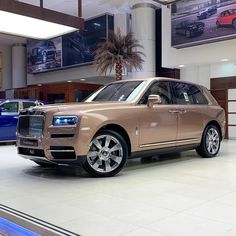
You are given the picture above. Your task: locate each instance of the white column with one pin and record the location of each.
(18, 66)
(122, 21)
(6, 67)
(144, 30)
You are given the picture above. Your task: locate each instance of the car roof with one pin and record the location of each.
(18, 100)
(150, 79)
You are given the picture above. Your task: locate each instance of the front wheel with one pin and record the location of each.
(188, 33)
(210, 144)
(107, 154)
(44, 58)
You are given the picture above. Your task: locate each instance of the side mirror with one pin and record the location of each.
(153, 99)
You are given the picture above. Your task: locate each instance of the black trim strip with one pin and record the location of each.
(158, 151)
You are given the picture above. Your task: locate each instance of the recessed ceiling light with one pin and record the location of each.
(31, 27)
(82, 79)
(39, 85)
(181, 66)
(225, 59)
(69, 81)
(31, 21)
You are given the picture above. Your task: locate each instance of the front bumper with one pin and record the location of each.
(39, 156)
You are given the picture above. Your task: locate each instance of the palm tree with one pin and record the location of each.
(118, 52)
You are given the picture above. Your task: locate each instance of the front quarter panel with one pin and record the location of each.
(92, 122)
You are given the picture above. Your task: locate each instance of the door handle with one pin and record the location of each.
(173, 111)
(182, 111)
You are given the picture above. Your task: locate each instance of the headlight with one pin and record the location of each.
(65, 120)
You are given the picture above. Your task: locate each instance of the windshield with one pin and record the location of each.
(123, 91)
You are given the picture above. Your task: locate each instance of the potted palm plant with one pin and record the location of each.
(118, 52)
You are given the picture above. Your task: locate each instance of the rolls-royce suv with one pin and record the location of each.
(130, 118)
(190, 28)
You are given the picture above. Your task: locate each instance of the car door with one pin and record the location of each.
(8, 120)
(157, 124)
(189, 102)
(225, 18)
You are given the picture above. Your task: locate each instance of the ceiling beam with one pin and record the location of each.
(41, 13)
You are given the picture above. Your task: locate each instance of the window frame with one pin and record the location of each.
(11, 112)
(193, 97)
(154, 82)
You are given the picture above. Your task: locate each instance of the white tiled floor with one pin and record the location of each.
(176, 195)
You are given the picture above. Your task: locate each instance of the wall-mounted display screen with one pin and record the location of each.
(197, 21)
(44, 55)
(69, 50)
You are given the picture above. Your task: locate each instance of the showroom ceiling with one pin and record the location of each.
(90, 8)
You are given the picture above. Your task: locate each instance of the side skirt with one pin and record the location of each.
(164, 150)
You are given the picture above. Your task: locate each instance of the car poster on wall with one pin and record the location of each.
(70, 50)
(44, 55)
(197, 22)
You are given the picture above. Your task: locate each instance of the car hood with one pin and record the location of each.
(75, 108)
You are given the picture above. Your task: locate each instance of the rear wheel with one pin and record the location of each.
(107, 154)
(210, 144)
(234, 23)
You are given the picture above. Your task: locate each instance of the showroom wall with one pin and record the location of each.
(201, 62)
(81, 72)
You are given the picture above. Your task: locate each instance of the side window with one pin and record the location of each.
(160, 88)
(199, 98)
(10, 107)
(188, 94)
(28, 104)
(182, 93)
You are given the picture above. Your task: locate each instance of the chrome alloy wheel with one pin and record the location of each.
(105, 153)
(212, 141)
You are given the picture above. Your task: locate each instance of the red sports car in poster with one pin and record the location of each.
(227, 17)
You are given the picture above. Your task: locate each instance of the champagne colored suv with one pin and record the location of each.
(130, 118)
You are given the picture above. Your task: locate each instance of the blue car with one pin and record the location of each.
(9, 111)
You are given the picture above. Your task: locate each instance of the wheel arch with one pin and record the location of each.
(216, 123)
(233, 20)
(120, 130)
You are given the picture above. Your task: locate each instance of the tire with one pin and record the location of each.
(44, 58)
(101, 160)
(210, 143)
(188, 33)
(44, 164)
(234, 23)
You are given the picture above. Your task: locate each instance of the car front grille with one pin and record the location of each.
(31, 125)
